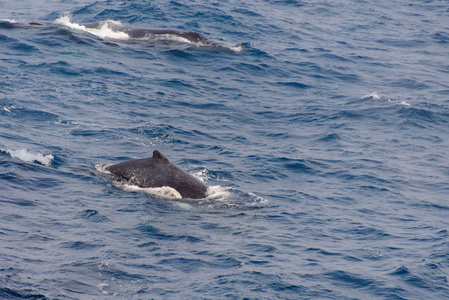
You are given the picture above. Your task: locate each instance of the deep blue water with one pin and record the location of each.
(326, 139)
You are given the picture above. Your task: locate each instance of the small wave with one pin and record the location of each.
(8, 23)
(237, 48)
(401, 103)
(226, 46)
(30, 156)
(12, 21)
(7, 293)
(103, 289)
(372, 96)
(227, 197)
(375, 96)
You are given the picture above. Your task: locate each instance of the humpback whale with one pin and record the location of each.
(115, 30)
(158, 171)
(132, 32)
(143, 33)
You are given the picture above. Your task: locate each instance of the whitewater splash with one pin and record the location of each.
(30, 156)
(375, 96)
(104, 30)
(372, 96)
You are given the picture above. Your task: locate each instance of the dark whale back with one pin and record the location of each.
(142, 33)
(158, 171)
(146, 33)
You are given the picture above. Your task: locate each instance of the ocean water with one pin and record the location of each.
(322, 128)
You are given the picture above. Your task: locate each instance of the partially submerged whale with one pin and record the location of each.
(147, 33)
(158, 171)
(116, 31)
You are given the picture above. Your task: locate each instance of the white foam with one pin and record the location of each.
(375, 96)
(237, 48)
(30, 156)
(403, 103)
(8, 109)
(201, 175)
(12, 21)
(258, 200)
(103, 31)
(217, 192)
(227, 46)
(372, 96)
(102, 169)
(101, 287)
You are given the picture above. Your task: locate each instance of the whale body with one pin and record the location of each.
(142, 32)
(132, 32)
(158, 171)
(115, 30)
(148, 33)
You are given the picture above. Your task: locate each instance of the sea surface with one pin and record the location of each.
(321, 128)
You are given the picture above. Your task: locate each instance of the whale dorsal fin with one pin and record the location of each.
(158, 155)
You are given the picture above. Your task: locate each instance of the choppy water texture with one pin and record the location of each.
(322, 126)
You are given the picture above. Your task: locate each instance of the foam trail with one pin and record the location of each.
(103, 31)
(29, 156)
